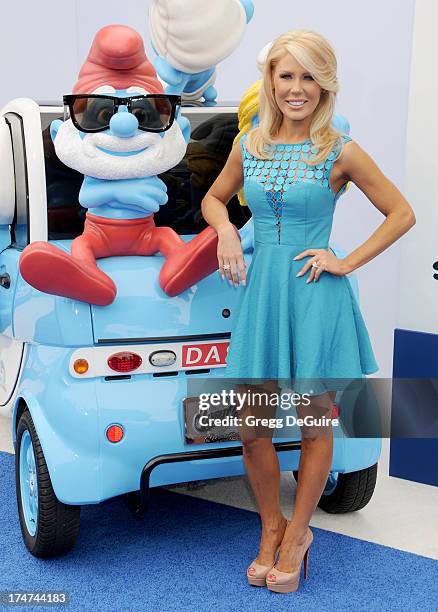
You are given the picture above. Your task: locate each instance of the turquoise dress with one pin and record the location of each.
(284, 328)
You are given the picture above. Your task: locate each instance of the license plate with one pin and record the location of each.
(198, 428)
(204, 354)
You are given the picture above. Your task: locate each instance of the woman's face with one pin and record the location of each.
(296, 93)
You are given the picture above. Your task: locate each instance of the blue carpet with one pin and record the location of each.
(192, 554)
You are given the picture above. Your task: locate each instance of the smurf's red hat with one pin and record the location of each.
(117, 58)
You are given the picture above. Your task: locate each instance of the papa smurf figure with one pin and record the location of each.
(120, 138)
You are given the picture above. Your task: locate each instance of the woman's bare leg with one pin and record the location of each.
(263, 470)
(315, 461)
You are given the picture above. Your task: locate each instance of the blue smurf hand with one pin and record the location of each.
(184, 125)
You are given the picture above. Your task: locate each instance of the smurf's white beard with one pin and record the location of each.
(82, 155)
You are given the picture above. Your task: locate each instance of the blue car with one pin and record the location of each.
(98, 395)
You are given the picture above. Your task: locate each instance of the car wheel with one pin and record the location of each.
(49, 527)
(347, 492)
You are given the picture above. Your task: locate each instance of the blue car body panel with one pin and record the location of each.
(9, 263)
(71, 417)
(142, 310)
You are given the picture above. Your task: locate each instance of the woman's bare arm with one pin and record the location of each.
(358, 167)
(227, 184)
(214, 211)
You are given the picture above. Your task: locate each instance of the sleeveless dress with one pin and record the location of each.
(284, 328)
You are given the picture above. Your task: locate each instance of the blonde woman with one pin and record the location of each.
(297, 316)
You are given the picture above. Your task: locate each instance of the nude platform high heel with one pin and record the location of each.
(256, 573)
(287, 582)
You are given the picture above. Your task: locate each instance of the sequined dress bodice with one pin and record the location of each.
(291, 200)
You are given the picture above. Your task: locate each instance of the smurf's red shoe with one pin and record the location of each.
(53, 271)
(188, 264)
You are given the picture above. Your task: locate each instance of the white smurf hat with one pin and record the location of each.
(194, 35)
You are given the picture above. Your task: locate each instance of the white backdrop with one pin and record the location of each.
(418, 296)
(43, 44)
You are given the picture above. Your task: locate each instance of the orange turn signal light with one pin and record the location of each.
(80, 366)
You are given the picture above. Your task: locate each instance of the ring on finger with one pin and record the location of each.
(226, 266)
(315, 265)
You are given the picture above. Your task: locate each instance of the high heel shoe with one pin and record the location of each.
(287, 582)
(258, 576)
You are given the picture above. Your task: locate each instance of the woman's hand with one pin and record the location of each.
(321, 261)
(230, 255)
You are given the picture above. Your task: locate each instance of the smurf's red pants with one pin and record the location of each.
(76, 275)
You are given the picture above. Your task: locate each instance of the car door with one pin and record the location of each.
(20, 192)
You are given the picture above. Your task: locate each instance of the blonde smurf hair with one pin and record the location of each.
(316, 55)
(248, 109)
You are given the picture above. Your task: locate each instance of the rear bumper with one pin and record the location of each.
(71, 417)
(196, 455)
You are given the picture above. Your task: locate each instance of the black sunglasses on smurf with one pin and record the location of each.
(93, 112)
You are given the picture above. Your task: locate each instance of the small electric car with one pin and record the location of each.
(98, 395)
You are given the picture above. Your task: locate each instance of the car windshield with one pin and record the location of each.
(211, 141)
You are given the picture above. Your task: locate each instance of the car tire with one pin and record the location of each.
(49, 527)
(347, 492)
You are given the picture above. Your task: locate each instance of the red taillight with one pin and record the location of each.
(124, 362)
(115, 433)
(335, 411)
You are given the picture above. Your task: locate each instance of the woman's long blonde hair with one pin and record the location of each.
(316, 55)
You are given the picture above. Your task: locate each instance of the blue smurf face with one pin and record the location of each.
(122, 124)
(123, 150)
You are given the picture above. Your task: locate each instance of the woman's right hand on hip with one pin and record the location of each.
(230, 255)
